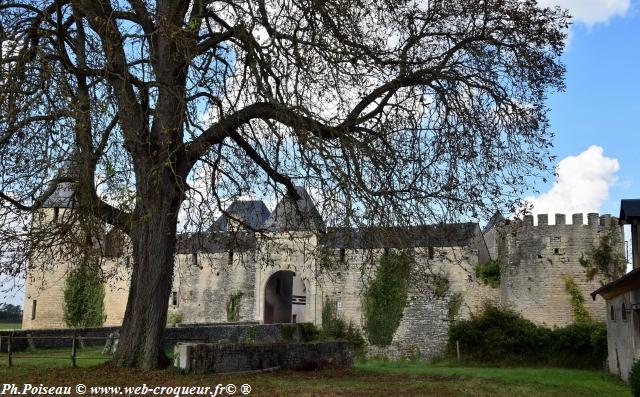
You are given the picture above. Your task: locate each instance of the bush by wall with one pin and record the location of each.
(634, 379)
(501, 336)
(334, 327)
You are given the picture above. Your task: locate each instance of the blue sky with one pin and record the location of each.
(600, 106)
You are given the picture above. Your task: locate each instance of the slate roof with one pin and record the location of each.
(63, 196)
(629, 211)
(443, 235)
(216, 242)
(253, 212)
(290, 215)
(496, 219)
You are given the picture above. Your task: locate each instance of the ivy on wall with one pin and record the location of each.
(233, 307)
(580, 313)
(453, 306)
(441, 286)
(605, 259)
(489, 273)
(386, 298)
(84, 296)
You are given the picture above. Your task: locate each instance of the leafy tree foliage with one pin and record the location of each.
(84, 297)
(10, 312)
(395, 112)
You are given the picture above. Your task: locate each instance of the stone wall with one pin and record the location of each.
(224, 358)
(538, 259)
(46, 288)
(229, 333)
(205, 284)
(425, 320)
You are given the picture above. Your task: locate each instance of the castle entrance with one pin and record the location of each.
(284, 298)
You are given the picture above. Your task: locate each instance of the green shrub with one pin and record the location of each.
(501, 336)
(489, 273)
(334, 327)
(582, 345)
(308, 332)
(288, 332)
(250, 334)
(634, 379)
(386, 298)
(173, 318)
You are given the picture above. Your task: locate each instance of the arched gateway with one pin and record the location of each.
(284, 298)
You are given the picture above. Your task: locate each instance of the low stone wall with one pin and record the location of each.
(51, 338)
(243, 357)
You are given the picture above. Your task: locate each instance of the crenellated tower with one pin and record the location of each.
(540, 261)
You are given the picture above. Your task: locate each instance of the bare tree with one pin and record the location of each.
(393, 112)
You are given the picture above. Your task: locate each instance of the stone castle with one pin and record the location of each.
(287, 273)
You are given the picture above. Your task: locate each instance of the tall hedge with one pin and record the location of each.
(84, 296)
(501, 336)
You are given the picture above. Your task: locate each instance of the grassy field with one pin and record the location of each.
(371, 378)
(4, 325)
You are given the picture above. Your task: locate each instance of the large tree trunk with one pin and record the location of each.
(153, 237)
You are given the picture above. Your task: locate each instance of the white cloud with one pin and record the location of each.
(591, 12)
(582, 184)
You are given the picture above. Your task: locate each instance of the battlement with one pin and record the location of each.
(593, 219)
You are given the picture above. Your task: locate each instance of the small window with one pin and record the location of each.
(174, 298)
(33, 309)
(612, 314)
(556, 251)
(56, 214)
(624, 312)
(230, 259)
(294, 318)
(342, 255)
(432, 253)
(194, 259)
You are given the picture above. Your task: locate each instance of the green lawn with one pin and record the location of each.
(55, 358)
(371, 378)
(10, 325)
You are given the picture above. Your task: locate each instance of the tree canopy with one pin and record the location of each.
(394, 112)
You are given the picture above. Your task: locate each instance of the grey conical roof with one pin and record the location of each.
(252, 212)
(496, 219)
(301, 214)
(63, 196)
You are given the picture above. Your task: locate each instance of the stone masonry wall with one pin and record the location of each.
(425, 323)
(223, 358)
(537, 260)
(205, 285)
